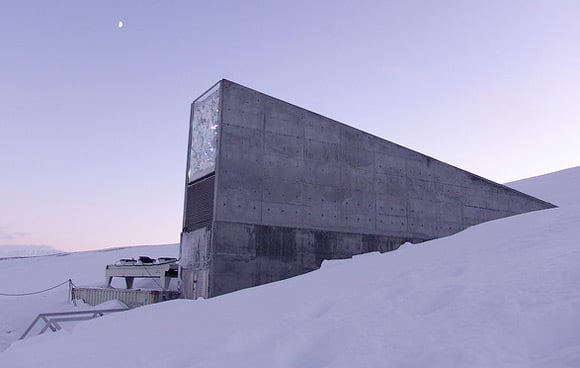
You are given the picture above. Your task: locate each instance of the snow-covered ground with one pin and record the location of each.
(501, 294)
(29, 274)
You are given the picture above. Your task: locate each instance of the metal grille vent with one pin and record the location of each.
(199, 204)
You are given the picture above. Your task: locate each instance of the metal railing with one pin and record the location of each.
(52, 320)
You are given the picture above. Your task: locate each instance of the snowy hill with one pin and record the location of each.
(501, 294)
(7, 251)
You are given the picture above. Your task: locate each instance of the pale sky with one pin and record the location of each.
(94, 118)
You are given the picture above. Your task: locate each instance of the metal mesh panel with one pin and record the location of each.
(199, 204)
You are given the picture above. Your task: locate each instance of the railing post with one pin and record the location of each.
(30, 327)
(52, 322)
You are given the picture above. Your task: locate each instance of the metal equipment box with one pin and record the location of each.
(131, 297)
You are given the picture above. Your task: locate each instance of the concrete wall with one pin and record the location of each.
(294, 187)
(195, 256)
(247, 255)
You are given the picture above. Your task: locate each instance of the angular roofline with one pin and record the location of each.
(548, 204)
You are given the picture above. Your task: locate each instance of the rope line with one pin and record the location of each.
(69, 281)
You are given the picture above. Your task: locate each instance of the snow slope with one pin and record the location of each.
(501, 294)
(7, 250)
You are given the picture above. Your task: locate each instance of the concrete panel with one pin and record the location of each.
(450, 212)
(383, 243)
(319, 128)
(318, 173)
(306, 250)
(233, 264)
(244, 107)
(357, 179)
(447, 192)
(235, 239)
(244, 163)
(393, 185)
(282, 214)
(358, 221)
(321, 151)
(241, 173)
(422, 227)
(276, 243)
(473, 197)
(276, 190)
(358, 201)
(196, 257)
(195, 249)
(233, 205)
(447, 174)
(353, 139)
(318, 194)
(347, 245)
(394, 225)
(235, 138)
(389, 205)
(420, 207)
(389, 165)
(389, 148)
(229, 281)
(243, 184)
(323, 215)
(357, 158)
(284, 145)
(283, 168)
(283, 119)
(419, 167)
(448, 228)
(417, 188)
(472, 214)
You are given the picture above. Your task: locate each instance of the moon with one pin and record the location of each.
(120, 24)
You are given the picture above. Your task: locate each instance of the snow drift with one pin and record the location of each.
(500, 294)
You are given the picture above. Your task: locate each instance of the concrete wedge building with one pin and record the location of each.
(272, 190)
